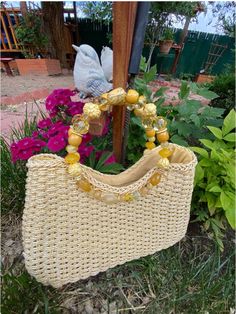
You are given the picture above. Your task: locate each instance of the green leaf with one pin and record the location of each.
(136, 121)
(189, 107)
(184, 90)
(196, 120)
(206, 93)
(200, 151)
(206, 162)
(102, 160)
(216, 131)
(150, 75)
(230, 137)
(142, 65)
(228, 204)
(207, 143)
(160, 91)
(113, 168)
(199, 174)
(216, 189)
(178, 140)
(229, 122)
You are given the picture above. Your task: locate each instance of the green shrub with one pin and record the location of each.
(214, 193)
(224, 86)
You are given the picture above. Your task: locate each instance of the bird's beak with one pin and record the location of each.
(76, 48)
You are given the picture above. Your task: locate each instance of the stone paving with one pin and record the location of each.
(21, 93)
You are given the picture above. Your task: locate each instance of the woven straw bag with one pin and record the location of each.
(69, 235)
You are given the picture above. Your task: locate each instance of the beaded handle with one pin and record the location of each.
(154, 126)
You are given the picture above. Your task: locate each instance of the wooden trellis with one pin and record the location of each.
(216, 51)
(9, 17)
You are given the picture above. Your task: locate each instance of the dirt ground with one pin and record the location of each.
(11, 86)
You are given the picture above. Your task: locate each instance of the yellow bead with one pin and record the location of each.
(163, 163)
(72, 158)
(149, 109)
(150, 132)
(80, 124)
(84, 185)
(165, 152)
(163, 136)
(92, 110)
(151, 139)
(74, 169)
(138, 112)
(142, 100)
(155, 179)
(150, 145)
(71, 149)
(128, 197)
(70, 131)
(132, 96)
(74, 140)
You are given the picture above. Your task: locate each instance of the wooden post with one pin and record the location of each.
(124, 14)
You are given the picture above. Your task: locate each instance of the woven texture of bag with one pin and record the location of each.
(69, 235)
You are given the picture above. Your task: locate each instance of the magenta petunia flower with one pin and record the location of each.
(43, 124)
(56, 143)
(26, 154)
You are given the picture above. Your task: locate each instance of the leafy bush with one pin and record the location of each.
(215, 179)
(30, 35)
(224, 86)
(187, 122)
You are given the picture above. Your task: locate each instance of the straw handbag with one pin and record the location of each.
(71, 232)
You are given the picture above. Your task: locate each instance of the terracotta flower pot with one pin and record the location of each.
(38, 66)
(204, 78)
(165, 46)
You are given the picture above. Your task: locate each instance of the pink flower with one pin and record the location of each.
(74, 108)
(26, 154)
(56, 143)
(43, 124)
(26, 148)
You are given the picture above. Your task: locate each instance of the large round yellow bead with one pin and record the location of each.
(74, 140)
(74, 169)
(150, 145)
(72, 158)
(163, 136)
(163, 163)
(84, 185)
(165, 152)
(71, 149)
(149, 110)
(155, 179)
(150, 132)
(92, 110)
(132, 96)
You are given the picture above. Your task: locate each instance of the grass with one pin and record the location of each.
(190, 277)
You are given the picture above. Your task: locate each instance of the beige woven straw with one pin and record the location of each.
(69, 235)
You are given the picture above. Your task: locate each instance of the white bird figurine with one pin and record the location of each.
(89, 77)
(107, 62)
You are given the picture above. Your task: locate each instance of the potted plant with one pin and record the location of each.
(33, 42)
(166, 41)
